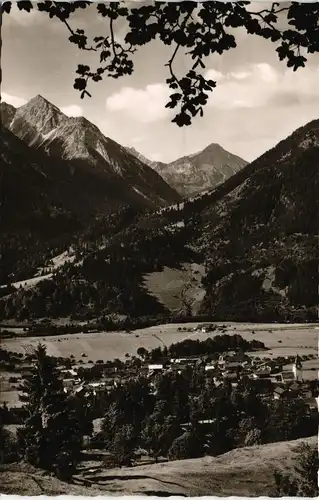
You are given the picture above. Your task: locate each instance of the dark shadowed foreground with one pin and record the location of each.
(241, 472)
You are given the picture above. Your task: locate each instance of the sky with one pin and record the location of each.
(258, 101)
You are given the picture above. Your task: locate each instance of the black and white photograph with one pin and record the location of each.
(159, 248)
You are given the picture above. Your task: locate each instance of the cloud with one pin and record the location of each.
(144, 105)
(14, 100)
(259, 85)
(72, 110)
(212, 74)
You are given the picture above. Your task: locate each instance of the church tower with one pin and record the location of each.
(297, 369)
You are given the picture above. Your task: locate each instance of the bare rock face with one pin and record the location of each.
(199, 172)
(44, 127)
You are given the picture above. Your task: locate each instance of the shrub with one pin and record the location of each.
(303, 481)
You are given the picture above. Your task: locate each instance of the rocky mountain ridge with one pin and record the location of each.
(198, 172)
(43, 126)
(254, 238)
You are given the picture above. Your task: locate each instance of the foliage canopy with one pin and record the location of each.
(199, 29)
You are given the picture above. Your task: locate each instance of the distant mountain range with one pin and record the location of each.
(261, 234)
(42, 126)
(58, 176)
(254, 238)
(199, 172)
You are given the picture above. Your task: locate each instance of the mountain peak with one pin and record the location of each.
(201, 171)
(40, 103)
(35, 119)
(214, 146)
(39, 97)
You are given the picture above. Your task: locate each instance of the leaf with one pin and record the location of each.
(25, 6)
(82, 69)
(6, 7)
(182, 119)
(79, 84)
(96, 78)
(104, 55)
(102, 9)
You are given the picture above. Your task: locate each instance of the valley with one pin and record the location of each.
(159, 249)
(281, 339)
(246, 250)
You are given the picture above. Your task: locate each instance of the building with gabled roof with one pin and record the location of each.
(283, 393)
(287, 376)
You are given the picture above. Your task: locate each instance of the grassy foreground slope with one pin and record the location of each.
(241, 472)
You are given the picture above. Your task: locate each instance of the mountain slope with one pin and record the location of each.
(262, 234)
(43, 126)
(256, 236)
(198, 172)
(60, 179)
(41, 207)
(7, 112)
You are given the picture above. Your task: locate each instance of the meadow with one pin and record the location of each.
(244, 472)
(281, 339)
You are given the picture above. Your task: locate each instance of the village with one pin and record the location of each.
(278, 378)
(223, 392)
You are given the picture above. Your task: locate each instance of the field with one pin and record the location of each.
(176, 287)
(241, 472)
(282, 339)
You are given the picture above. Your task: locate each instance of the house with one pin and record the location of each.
(218, 380)
(97, 387)
(210, 421)
(279, 392)
(230, 375)
(287, 376)
(191, 360)
(211, 371)
(295, 386)
(231, 361)
(312, 403)
(206, 328)
(283, 393)
(210, 368)
(263, 372)
(154, 369)
(69, 373)
(233, 366)
(79, 390)
(179, 367)
(157, 367)
(68, 384)
(269, 366)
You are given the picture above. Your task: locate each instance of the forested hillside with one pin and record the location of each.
(256, 234)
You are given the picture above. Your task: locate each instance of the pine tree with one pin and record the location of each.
(123, 446)
(50, 438)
